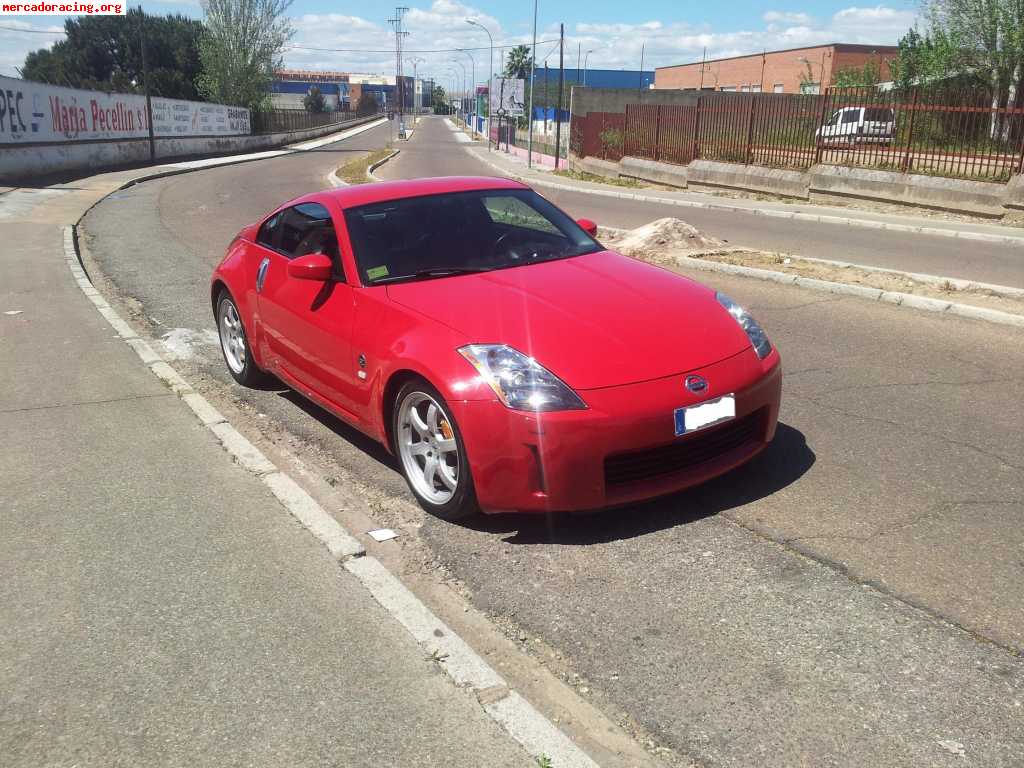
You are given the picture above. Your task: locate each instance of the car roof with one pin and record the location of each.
(364, 194)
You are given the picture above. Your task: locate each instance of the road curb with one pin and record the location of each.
(1017, 240)
(374, 166)
(534, 732)
(909, 300)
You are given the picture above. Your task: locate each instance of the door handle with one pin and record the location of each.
(261, 273)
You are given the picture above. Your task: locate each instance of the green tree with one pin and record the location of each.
(367, 105)
(104, 53)
(853, 77)
(986, 38)
(439, 101)
(519, 62)
(314, 101)
(241, 49)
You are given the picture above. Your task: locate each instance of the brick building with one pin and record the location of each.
(795, 70)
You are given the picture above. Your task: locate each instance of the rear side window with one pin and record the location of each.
(878, 115)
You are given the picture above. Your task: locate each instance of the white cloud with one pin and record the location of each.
(787, 17)
(442, 25)
(16, 45)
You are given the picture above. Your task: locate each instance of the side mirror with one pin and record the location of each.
(312, 266)
(588, 226)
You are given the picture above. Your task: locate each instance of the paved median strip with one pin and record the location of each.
(466, 668)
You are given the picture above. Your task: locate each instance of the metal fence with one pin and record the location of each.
(281, 120)
(939, 132)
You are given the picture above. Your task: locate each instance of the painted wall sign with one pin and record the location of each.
(35, 112)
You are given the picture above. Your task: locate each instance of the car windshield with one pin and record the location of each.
(417, 238)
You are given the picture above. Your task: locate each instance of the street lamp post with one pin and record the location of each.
(415, 107)
(490, 82)
(462, 102)
(533, 70)
(585, 57)
(460, 79)
(472, 86)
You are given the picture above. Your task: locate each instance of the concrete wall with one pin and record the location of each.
(977, 197)
(26, 164)
(586, 100)
(753, 178)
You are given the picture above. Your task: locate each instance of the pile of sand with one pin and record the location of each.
(658, 238)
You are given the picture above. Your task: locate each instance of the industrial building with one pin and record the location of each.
(343, 90)
(795, 70)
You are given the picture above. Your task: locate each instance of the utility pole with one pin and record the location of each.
(561, 86)
(533, 70)
(703, 62)
(400, 33)
(640, 90)
(547, 98)
(145, 82)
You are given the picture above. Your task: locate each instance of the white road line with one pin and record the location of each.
(520, 719)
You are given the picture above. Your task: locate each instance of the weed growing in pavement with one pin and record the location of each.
(618, 181)
(545, 762)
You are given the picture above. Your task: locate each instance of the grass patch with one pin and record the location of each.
(354, 171)
(593, 177)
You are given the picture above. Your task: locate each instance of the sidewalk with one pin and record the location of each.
(158, 603)
(543, 177)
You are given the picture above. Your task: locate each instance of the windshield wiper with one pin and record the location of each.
(432, 272)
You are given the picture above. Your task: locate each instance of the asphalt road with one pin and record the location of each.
(850, 598)
(971, 260)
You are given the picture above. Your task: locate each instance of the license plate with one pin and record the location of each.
(706, 414)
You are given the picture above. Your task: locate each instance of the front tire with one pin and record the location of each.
(428, 444)
(234, 344)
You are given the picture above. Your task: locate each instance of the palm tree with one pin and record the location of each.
(519, 62)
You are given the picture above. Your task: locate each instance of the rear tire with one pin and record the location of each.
(234, 344)
(429, 447)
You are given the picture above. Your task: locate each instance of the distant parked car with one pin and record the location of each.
(495, 347)
(852, 125)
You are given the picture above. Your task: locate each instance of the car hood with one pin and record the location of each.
(598, 320)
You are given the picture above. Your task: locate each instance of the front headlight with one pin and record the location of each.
(520, 382)
(749, 325)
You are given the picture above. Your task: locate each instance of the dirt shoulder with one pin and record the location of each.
(666, 241)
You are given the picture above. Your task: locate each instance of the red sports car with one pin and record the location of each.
(506, 358)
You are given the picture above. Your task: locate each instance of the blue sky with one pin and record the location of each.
(669, 32)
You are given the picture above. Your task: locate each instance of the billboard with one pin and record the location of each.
(36, 113)
(507, 97)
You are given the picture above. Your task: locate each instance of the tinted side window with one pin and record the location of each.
(851, 116)
(307, 228)
(878, 115)
(267, 236)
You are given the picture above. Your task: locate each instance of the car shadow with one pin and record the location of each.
(786, 459)
(367, 445)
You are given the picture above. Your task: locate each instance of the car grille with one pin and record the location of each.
(689, 453)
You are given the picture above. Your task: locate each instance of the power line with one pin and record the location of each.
(34, 31)
(405, 50)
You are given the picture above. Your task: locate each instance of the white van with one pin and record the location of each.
(850, 125)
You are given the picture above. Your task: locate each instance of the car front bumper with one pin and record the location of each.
(623, 447)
